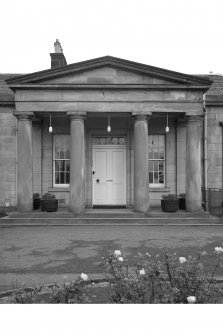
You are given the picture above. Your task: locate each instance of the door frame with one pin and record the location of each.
(109, 146)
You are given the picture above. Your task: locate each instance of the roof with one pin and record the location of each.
(6, 94)
(217, 86)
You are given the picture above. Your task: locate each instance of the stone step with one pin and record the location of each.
(58, 221)
(92, 213)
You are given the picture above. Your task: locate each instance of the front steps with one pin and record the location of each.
(110, 217)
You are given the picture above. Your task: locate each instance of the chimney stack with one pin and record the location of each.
(57, 58)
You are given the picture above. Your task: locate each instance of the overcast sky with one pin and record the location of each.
(180, 35)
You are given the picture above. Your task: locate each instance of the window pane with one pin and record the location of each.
(161, 177)
(150, 177)
(57, 180)
(161, 141)
(61, 154)
(56, 166)
(62, 179)
(161, 153)
(67, 154)
(151, 154)
(161, 166)
(156, 166)
(67, 166)
(155, 140)
(156, 154)
(67, 178)
(156, 177)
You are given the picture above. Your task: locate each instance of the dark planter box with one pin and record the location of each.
(36, 204)
(182, 204)
(170, 205)
(49, 205)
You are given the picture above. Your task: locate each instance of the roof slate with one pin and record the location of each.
(217, 86)
(6, 94)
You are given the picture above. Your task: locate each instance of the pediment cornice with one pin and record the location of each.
(176, 78)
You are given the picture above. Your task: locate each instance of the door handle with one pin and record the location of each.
(97, 180)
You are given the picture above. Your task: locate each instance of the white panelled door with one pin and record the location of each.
(109, 175)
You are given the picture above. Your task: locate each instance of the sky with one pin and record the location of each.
(179, 35)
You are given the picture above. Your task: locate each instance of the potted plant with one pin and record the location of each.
(182, 201)
(36, 201)
(49, 203)
(169, 203)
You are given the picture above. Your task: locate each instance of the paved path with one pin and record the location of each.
(39, 255)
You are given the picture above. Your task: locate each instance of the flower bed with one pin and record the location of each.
(165, 278)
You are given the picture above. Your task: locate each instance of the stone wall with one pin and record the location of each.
(7, 156)
(214, 146)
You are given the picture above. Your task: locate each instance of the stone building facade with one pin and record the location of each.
(132, 165)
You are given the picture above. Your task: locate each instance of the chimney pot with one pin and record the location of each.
(57, 47)
(57, 58)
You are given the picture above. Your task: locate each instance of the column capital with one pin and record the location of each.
(24, 115)
(77, 115)
(141, 115)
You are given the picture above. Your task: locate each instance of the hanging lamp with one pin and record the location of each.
(167, 129)
(50, 126)
(109, 125)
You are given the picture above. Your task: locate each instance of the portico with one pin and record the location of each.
(80, 97)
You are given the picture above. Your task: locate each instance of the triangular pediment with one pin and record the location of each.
(109, 70)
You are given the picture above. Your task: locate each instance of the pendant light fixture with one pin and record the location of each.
(109, 125)
(50, 126)
(167, 129)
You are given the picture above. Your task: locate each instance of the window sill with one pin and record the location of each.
(58, 189)
(159, 189)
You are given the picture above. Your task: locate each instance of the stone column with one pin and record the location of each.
(181, 154)
(141, 173)
(24, 163)
(77, 162)
(193, 164)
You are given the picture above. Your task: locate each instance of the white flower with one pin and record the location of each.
(142, 272)
(182, 260)
(117, 253)
(191, 299)
(218, 250)
(147, 254)
(120, 259)
(84, 276)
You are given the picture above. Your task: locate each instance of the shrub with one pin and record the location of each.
(48, 196)
(170, 196)
(166, 279)
(67, 293)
